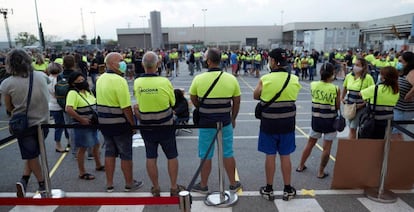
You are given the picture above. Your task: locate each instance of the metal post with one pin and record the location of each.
(185, 201)
(54, 193)
(379, 194)
(222, 198)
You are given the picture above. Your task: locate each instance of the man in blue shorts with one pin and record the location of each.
(221, 105)
(277, 125)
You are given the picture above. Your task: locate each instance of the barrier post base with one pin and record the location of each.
(55, 193)
(213, 199)
(386, 196)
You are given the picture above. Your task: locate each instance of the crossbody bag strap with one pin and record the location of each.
(375, 99)
(278, 93)
(211, 87)
(336, 103)
(86, 101)
(29, 95)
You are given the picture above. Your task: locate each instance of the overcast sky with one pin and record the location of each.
(62, 18)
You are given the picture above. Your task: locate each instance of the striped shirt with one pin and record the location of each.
(405, 87)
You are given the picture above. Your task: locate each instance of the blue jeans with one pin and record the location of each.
(59, 119)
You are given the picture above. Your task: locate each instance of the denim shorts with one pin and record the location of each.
(271, 144)
(206, 136)
(169, 147)
(85, 137)
(29, 145)
(326, 136)
(400, 115)
(119, 145)
(354, 123)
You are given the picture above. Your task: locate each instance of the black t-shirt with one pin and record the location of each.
(348, 60)
(139, 69)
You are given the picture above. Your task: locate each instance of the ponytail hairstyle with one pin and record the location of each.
(390, 78)
(327, 71)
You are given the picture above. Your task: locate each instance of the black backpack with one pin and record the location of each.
(61, 90)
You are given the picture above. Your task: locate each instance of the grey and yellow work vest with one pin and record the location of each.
(323, 106)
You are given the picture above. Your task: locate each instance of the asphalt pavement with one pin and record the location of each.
(314, 194)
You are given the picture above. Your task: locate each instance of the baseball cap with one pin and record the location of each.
(279, 55)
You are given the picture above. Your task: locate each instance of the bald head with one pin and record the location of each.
(150, 62)
(112, 61)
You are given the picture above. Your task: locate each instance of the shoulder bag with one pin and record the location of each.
(259, 107)
(367, 120)
(350, 109)
(19, 122)
(339, 122)
(196, 112)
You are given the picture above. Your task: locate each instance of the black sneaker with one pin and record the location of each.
(135, 186)
(21, 188)
(267, 194)
(236, 187)
(288, 194)
(198, 188)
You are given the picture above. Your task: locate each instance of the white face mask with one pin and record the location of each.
(357, 69)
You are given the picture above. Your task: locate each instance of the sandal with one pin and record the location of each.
(301, 170)
(86, 176)
(155, 192)
(101, 168)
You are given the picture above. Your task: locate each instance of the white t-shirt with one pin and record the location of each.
(53, 105)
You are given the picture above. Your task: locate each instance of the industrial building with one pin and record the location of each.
(379, 34)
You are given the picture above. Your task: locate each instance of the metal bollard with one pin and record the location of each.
(50, 193)
(185, 201)
(379, 194)
(222, 198)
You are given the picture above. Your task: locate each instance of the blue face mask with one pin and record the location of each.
(122, 66)
(399, 66)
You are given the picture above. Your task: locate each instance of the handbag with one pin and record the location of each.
(260, 107)
(339, 121)
(196, 111)
(367, 120)
(94, 117)
(19, 122)
(349, 111)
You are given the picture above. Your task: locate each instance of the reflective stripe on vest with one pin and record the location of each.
(323, 110)
(354, 97)
(210, 106)
(278, 110)
(110, 115)
(164, 117)
(383, 112)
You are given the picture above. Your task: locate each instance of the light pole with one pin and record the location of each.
(39, 27)
(143, 28)
(4, 12)
(94, 28)
(204, 13)
(281, 17)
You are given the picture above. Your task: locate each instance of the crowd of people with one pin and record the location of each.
(216, 95)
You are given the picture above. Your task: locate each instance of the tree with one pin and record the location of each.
(25, 39)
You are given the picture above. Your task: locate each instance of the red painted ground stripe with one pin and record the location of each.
(92, 201)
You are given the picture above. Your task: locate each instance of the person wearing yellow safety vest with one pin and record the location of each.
(304, 67)
(59, 59)
(40, 64)
(249, 63)
(257, 63)
(297, 65)
(277, 125)
(221, 105)
(129, 71)
(354, 82)
(174, 61)
(379, 63)
(198, 58)
(392, 60)
(155, 99)
(387, 97)
(80, 104)
(115, 112)
(325, 103)
(224, 61)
